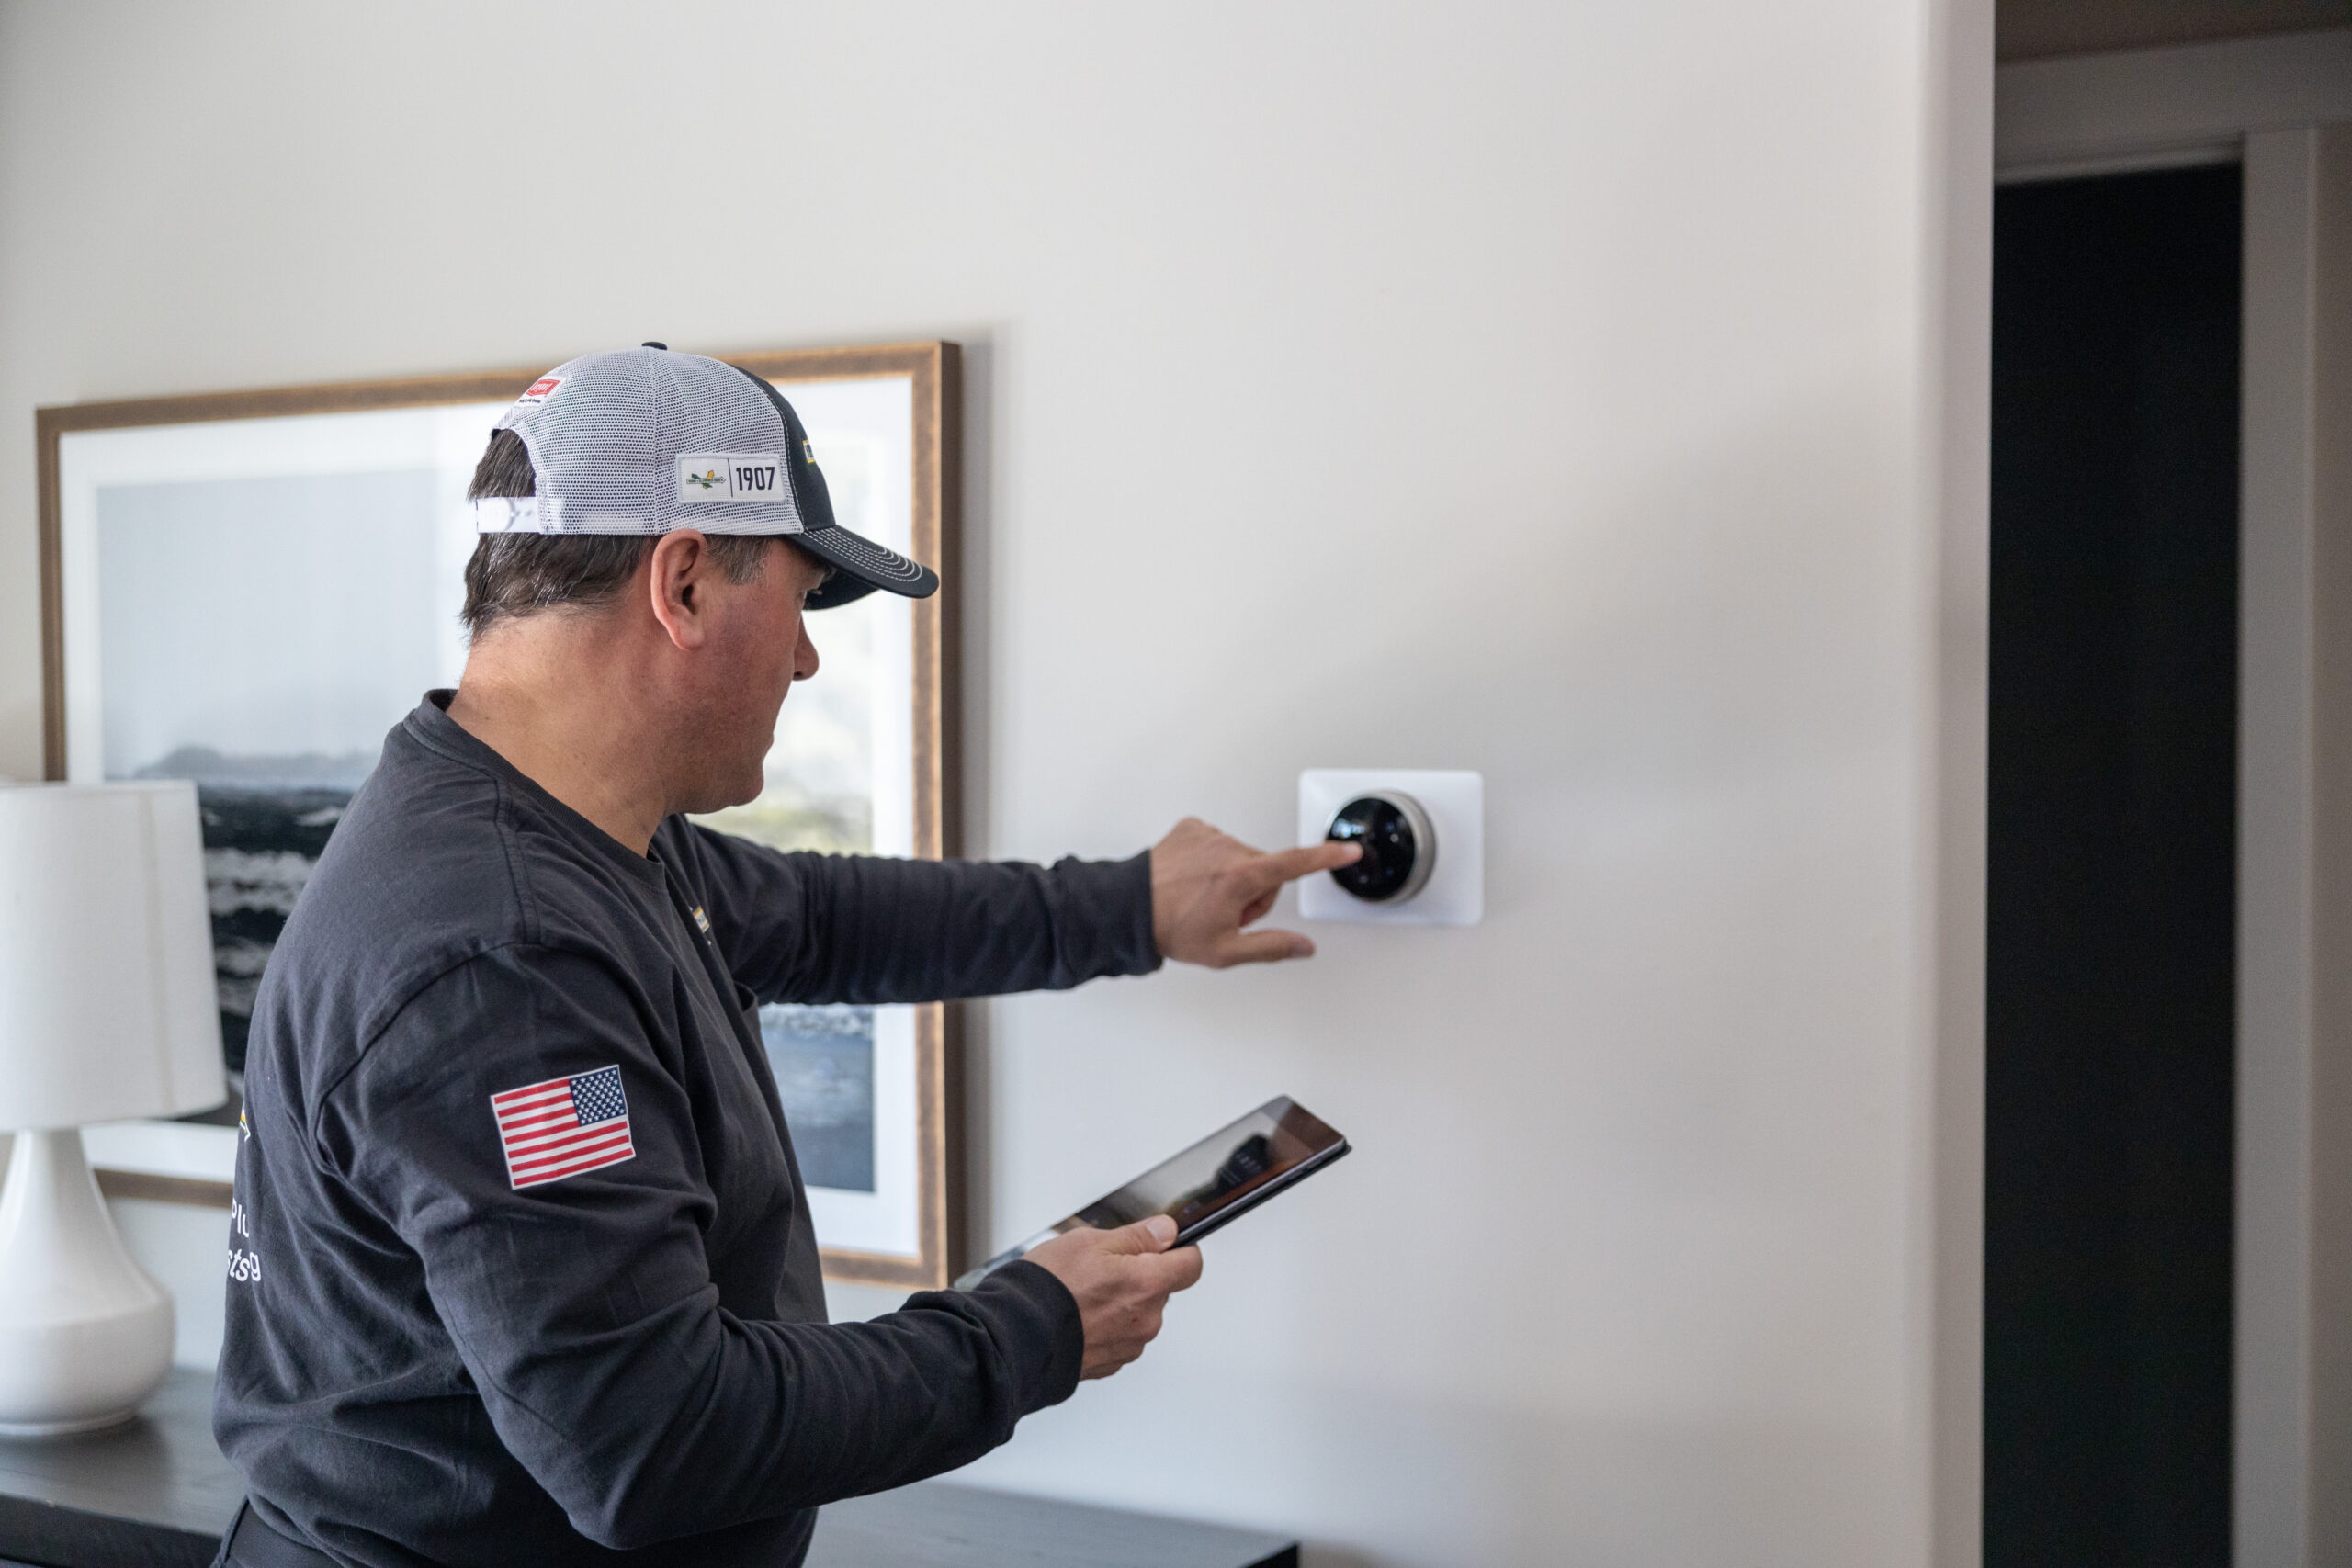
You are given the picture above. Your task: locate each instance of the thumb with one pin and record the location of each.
(1265, 947)
(1150, 1234)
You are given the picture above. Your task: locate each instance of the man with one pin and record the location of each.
(535, 1279)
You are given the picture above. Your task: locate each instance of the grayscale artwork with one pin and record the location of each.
(823, 1058)
(259, 637)
(249, 591)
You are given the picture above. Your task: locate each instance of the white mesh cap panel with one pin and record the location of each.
(642, 441)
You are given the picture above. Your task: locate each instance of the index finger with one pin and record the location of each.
(1289, 865)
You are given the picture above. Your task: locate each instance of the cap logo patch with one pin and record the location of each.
(540, 390)
(729, 476)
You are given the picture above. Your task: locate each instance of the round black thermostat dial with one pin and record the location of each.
(1398, 847)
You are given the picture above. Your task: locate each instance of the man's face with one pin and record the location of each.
(762, 648)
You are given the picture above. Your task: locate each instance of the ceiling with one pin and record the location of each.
(2036, 29)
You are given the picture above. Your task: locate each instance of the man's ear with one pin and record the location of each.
(678, 572)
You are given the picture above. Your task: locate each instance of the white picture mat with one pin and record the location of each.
(875, 418)
(885, 1220)
(868, 422)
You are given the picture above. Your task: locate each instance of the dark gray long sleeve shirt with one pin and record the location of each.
(466, 1326)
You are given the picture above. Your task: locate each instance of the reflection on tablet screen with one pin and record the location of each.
(1210, 1184)
(1271, 1140)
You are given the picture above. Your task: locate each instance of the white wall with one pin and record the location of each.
(1557, 390)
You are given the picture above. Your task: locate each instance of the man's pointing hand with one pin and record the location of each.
(1207, 887)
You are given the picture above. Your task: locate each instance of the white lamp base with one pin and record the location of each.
(85, 1334)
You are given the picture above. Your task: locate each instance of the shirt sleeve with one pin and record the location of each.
(584, 1311)
(813, 928)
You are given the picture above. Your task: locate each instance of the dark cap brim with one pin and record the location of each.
(861, 566)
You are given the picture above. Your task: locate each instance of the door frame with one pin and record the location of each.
(2281, 107)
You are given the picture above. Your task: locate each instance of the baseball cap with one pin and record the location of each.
(643, 440)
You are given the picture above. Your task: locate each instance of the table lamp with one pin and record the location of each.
(108, 1010)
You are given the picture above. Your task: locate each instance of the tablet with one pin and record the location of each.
(1209, 1186)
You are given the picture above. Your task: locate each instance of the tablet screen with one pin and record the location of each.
(1220, 1170)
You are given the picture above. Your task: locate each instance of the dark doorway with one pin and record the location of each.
(2111, 884)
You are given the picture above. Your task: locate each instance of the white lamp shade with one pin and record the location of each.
(108, 1004)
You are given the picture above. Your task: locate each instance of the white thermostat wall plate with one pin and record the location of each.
(1455, 801)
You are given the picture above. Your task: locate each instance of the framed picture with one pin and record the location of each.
(248, 590)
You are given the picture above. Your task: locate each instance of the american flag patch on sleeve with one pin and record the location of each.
(563, 1126)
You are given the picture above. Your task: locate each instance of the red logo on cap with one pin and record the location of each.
(540, 389)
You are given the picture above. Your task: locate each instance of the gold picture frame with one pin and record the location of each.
(925, 1233)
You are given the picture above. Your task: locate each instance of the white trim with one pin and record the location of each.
(2204, 155)
(1954, 608)
(2159, 107)
(2276, 813)
(2269, 103)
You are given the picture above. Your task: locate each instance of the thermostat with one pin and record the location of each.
(1423, 836)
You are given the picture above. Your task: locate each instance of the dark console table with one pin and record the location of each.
(156, 1493)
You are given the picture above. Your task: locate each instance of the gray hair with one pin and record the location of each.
(515, 575)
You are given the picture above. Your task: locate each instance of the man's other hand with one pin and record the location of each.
(1205, 886)
(1122, 1281)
